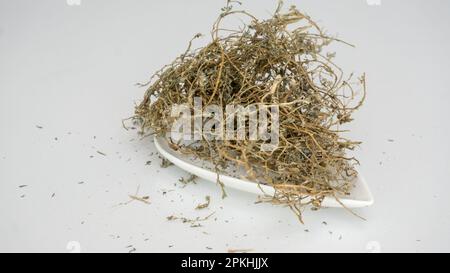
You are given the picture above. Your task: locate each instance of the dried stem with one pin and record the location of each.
(278, 61)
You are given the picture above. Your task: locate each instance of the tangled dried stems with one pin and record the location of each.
(278, 61)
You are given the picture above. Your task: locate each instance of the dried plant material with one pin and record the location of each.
(135, 197)
(204, 205)
(192, 222)
(191, 179)
(165, 163)
(144, 199)
(280, 61)
(240, 250)
(101, 153)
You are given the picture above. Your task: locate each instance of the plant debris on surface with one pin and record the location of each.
(189, 180)
(193, 222)
(165, 163)
(135, 197)
(144, 199)
(204, 205)
(101, 153)
(278, 61)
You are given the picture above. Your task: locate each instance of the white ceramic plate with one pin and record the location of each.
(360, 196)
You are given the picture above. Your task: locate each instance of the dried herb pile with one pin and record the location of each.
(278, 61)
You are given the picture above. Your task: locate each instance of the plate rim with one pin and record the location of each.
(253, 187)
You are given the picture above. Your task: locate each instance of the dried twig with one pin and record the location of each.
(204, 205)
(193, 222)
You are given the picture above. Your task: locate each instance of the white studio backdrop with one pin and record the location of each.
(67, 75)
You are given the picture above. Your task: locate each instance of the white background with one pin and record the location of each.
(72, 70)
